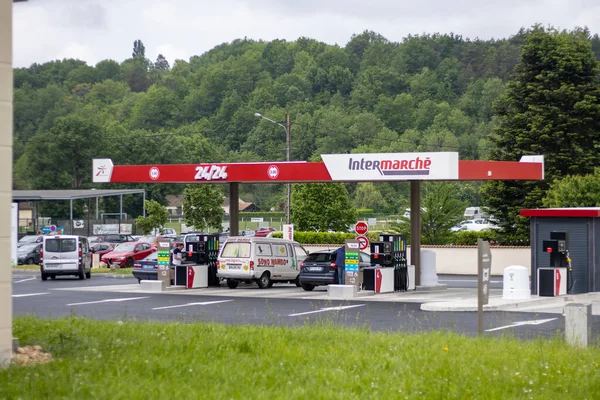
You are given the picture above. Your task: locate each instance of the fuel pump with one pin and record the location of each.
(549, 285)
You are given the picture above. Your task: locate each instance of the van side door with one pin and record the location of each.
(284, 261)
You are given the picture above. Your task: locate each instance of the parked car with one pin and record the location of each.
(264, 231)
(474, 225)
(126, 254)
(146, 268)
(118, 238)
(319, 268)
(102, 248)
(29, 253)
(95, 239)
(65, 255)
(28, 239)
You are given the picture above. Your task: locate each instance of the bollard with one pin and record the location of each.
(578, 317)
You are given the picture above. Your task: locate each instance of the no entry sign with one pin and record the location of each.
(363, 242)
(361, 228)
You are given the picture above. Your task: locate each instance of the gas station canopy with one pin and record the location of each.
(371, 167)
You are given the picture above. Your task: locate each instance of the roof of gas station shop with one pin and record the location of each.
(567, 212)
(39, 195)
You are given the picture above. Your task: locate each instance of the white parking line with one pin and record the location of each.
(339, 308)
(25, 280)
(29, 294)
(206, 303)
(538, 322)
(464, 280)
(107, 301)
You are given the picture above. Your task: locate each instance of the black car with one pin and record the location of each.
(146, 268)
(29, 253)
(319, 269)
(30, 239)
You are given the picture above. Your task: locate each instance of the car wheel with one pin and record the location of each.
(232, 283)
(270, 284)
(44, 276)
(129, 263)
(140, 280)
(30, 261)
(81, 273)
(88, 275)
(297, 281)
(308, 287)
(264, 281)
(53, 277)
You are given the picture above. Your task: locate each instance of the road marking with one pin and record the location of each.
(107, 301)
(206, 303)
(25, 280)
(538, 322)
(29, 294)
(339, 308)
(464, 280)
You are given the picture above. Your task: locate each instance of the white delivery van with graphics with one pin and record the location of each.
(261, 260)
(65, 255)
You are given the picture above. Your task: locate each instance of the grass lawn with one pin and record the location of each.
(152, 360)
(117, 271)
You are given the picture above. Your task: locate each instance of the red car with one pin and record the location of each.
(263, 232)
(101, 248)
(126, 253)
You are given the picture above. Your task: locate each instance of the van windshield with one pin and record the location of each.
(237, 250)
(61, 245)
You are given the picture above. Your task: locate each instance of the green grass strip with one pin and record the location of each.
(152, 360)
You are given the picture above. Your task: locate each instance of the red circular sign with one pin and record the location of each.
(363, 242)
(361, 228)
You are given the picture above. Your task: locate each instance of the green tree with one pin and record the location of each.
(440, 211)
(322, 207)
(551, 107)
(574, 191)
(368, 196)
(139, 50)
(157, 216)
(203, 206)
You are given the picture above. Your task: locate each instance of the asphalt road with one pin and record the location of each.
(63, 297)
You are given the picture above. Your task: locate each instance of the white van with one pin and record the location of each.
(65, 255)
(261, 260)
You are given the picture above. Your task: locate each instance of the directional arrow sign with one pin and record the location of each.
(521, 323)
(107, 301)
(206, 303)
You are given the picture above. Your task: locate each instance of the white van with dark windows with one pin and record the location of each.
(260, 259)
(65, 255)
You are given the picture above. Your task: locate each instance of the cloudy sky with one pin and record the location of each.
(94, 30)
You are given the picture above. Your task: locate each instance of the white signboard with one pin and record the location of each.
(256, 219)
(105, 229)
(372, 221)
(392, 166)
(288, 232)
(78, 224)
(102, 170)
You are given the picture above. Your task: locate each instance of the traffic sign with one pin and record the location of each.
(363, 242)
(361, 228)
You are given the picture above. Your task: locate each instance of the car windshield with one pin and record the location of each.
(26, 248)
(125, 247)
(320, 257)
(237, 250)
(28, 239)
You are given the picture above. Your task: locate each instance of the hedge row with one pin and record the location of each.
(325, 237)
(463, 238)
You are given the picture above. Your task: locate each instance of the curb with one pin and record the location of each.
(37, 272)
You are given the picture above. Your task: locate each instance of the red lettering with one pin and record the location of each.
(427, 163)
(404, 164)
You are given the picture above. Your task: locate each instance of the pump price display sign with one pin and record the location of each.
(351, 260)
(164, 252)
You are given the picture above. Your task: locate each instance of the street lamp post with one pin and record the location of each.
(287, 153)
